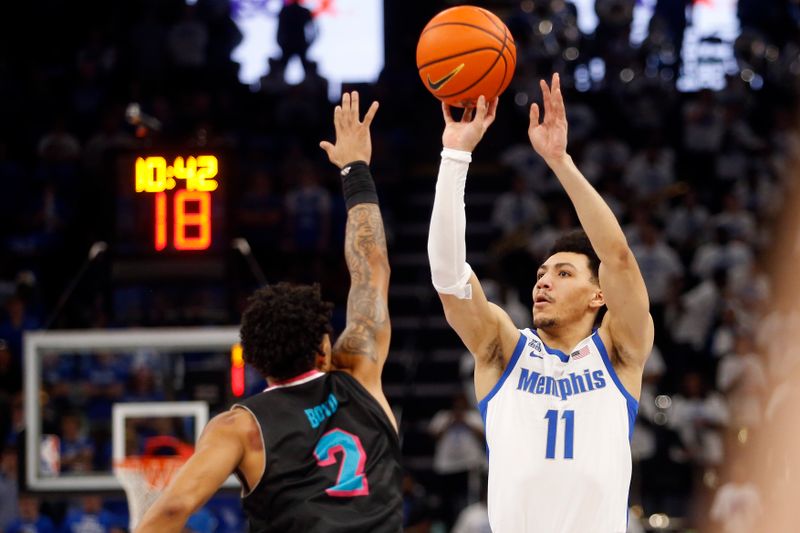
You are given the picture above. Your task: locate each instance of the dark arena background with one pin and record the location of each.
(159, 160)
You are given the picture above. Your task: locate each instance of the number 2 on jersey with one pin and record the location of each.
(552, 433)
(351, 480)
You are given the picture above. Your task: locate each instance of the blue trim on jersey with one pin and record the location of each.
(633, 405)
(484, 403)
(552, 351)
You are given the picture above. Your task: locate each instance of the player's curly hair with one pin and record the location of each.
(282, 328)
(578, 242)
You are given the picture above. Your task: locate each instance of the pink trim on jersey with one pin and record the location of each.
(297, 380)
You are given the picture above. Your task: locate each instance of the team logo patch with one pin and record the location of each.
(535, 344)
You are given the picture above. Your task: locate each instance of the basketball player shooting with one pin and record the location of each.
(318, 449)
(558, 400)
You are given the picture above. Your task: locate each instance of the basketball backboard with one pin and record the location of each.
(95, 396)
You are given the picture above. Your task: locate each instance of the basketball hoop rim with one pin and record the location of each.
(156, 471)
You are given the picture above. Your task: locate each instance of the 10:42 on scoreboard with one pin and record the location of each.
(191, 182)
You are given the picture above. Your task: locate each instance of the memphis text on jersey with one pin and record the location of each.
(535, 383)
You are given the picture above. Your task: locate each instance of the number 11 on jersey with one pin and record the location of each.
(552, 432)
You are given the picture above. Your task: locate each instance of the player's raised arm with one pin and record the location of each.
(485, 329)
(218, 453)
(364, 344)
(628, 319)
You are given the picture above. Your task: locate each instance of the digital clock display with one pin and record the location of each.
(182, 191)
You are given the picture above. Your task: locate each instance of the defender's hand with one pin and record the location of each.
(353, 142)
(466, 133)
(549, 138)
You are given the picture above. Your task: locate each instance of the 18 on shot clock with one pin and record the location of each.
(171, 204)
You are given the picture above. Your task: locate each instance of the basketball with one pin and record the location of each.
(465, 52)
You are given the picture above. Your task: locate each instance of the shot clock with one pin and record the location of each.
(173, 202)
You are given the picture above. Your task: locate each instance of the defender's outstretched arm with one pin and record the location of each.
(363, 346)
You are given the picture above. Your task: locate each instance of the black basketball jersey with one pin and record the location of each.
(333, 459)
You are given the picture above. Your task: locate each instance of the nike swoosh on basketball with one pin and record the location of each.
(436, 85)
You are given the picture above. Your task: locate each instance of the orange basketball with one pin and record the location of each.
(465, 52)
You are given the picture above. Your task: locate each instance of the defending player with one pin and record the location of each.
(559, 400)
(318, 449)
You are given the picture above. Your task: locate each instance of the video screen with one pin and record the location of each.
(342, 39)
(707, 55)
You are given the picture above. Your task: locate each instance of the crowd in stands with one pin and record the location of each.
(697, 180)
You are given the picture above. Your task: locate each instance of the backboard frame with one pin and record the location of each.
(164, 339)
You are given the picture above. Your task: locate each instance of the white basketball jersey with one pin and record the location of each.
(558, 431)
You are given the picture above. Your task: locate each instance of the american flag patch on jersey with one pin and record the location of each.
(583, 352)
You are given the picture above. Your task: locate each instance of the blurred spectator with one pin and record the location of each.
(143, 386)
(697, 310)
(739, 223)
(109, 136)
(687, 222)
(77, 451)
(17, 424)
(651, 171)
(274, 84)
(660, 266)
(459, 457)
(721, 253)
(506, 297)
(643, 442)
(10, 373)
(605, 157)
(742, 378)
(187, 40)
(147, 41)
(785, 140)
(308, 206)
(58, 144)
(466, 371)
(700, 416)
(8, 487)
(737, 506)
(90, 517)
(723, 335)
(475, 517)
(704, 125)
(203, 521)
(541, 240)
(777, 330)
(106, 374)
(760, 192)
(58, 375)
(526, 163)
(634, 523)
(614, 195)
(261, 212)
(30, 521)
(98, 52)
(416, 510)
(18, 319)
(518, 208)
(296, 32)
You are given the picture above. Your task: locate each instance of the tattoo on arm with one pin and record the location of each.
(367, 260)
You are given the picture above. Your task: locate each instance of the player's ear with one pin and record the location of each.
(597, 300)
(323, 360)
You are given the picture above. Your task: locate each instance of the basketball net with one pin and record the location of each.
(144, 477)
